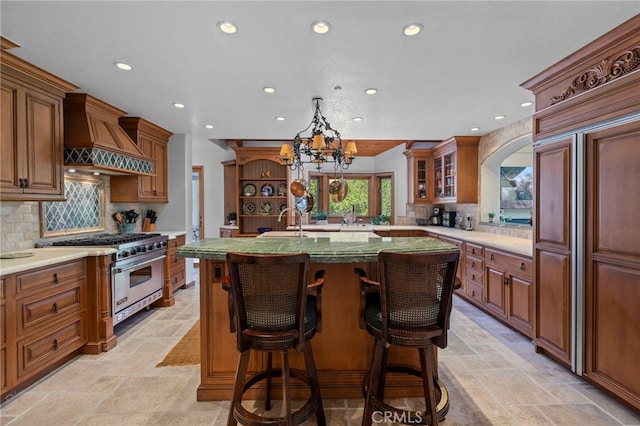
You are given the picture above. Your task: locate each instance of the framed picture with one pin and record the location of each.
(516, 187)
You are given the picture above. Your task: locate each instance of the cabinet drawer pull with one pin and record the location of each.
(55, 344)
(492, 258)
(506, 281)
(473, 264)
(26, 183)
(473, 251)
(55, 278)
(473, 293)
(522, 267)
(473, 277)
(55, 308)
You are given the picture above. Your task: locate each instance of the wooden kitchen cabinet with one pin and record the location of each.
(153, 141)
(474, 274)
(47, 322)
(258, 170)
(418, 166)
(31, 134)
(509, 289)
(454, 170)
(177, 265)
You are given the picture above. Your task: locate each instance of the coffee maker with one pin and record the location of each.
(449, 219)
(436, 217)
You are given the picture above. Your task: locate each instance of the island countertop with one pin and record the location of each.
(321, 250)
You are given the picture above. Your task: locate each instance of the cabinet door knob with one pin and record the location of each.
(491, 256)
(522, 267)
(55, 344)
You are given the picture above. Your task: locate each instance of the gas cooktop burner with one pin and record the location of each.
(105, 239)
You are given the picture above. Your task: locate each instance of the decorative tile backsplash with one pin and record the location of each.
(83, 211)
(92, 156)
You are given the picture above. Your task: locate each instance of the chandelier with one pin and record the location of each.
(323, 145)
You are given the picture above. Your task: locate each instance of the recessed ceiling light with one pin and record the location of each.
(475, 129)
(526, 104)
(371, 91)
(499, 117)
(208, 126)
(357, 118)
(412, 29)
(321, 27)
(123, 66)
(280, 118)
(269, 89)
(178, 105)
(227, 27)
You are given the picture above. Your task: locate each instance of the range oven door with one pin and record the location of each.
(136, 283)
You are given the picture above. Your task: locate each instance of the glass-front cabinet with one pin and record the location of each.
(455, 170)
(444, 183)
(419, 172)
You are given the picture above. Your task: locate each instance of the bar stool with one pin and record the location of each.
(412, 310)
(272, 313)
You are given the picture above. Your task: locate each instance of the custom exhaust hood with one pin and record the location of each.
(93, 139)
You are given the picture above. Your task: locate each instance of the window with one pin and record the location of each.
(369, 195)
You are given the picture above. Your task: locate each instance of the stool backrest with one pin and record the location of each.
(269, 296)
(416, 291)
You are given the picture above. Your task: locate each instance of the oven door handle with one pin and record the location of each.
(137, 265)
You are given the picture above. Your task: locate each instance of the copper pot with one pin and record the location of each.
(298, 187)
(343, 190)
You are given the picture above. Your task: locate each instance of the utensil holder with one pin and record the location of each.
(127, 228)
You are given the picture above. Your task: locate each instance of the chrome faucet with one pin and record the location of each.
(297, 219)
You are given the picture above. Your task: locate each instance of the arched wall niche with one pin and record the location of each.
(490, 171)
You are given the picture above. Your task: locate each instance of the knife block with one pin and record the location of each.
(147, 226)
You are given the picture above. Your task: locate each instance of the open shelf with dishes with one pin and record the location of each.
(262, 188)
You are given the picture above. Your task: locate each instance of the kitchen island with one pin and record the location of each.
(342, 350)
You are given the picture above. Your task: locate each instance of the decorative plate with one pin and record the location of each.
(266, 190)
(249, 190)
(266, 208)
(282, 205)
(282, 190)
(248, 207)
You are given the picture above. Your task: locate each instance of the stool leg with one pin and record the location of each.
(374, 380)
(313, 376)
(383, 374)
(286, 388)
(267, 400)
(427, 382)
(241, 374)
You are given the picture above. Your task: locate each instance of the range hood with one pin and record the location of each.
(93, 139)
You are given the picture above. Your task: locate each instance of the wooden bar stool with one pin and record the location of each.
(272, 313)
(412, 310)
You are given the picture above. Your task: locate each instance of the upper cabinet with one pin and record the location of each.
(153, 141)
(446, 173)
(31, 135)
(419, 162)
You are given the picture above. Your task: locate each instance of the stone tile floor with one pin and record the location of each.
(492, 373)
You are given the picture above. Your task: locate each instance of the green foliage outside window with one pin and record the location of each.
(357, 197)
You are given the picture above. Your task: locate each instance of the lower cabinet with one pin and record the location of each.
(43, 321)
(177, 265)
(509, 289)
(474, 275)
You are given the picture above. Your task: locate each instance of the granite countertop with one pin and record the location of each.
(48, 256)
(321, 250)
(520, 246)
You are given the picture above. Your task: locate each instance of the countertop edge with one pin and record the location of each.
(47, 256)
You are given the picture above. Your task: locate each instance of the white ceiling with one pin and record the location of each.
(460, 72)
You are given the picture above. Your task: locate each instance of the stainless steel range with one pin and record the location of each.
(137, 273)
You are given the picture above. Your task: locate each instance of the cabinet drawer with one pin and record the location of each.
(474, 291)
(475, 276)
(176, 242)
(515, 264)
(176, 262)
(39, 351)
(48, 278)
(34, 311)
(178, 277)
(475, 264)
(474, 250)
